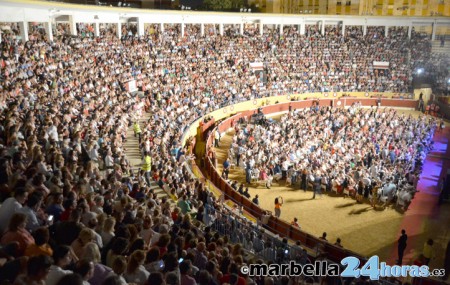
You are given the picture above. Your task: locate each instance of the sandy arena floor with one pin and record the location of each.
(360, 227)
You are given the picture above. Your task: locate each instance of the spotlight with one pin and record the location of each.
(419, 70)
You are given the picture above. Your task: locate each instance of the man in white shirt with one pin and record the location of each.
(62, 257)
(216, 138)
(11, 206)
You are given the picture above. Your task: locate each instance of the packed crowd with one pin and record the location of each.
(374, 152)
(73, 208)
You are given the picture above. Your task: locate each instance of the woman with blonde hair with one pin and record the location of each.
(108, 231)
(147, 231)
(101, 272)
(119, 265)
(101, 218)
(237, 250)
(84, 237)
(90, 169)
(136, 272)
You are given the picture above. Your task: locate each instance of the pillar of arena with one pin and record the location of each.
(48, 31)
(119, 30)
(141, 30)
(433, 31)
(73, 26)
(97, 29)
(24, 31)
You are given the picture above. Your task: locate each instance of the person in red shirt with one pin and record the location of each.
(175, 214)
(69, 206)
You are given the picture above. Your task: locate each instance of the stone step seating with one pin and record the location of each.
(436, 47)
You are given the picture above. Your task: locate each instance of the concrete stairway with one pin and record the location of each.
(436, 47)
(134, 155)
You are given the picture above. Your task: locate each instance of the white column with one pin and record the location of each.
(343, 29)
(409, 31)
(202, 29)
(73, 26)
(221, 29)
(386, 31)
(364, 29)
(119, 30)
(322, 28)
(261, 28)
(48, 31)
(162, 27)
(182, 29)
(97, 29)
(433, 32)
(302, 29)
(141, 30)
(24, 31)
(241, 29)
(281, 29)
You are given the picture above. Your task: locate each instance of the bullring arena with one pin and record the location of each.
(129, 138)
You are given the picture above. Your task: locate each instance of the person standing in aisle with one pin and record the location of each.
(137, 130)
(216, 138)
(147, 167)
(226, 168)
(401, 246)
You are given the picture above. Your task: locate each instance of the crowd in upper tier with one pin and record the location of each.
(74, 209)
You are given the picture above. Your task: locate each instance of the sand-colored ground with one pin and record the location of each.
(360, 227)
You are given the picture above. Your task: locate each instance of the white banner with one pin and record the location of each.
(381, 64)
(131, 86)
(257, 66)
